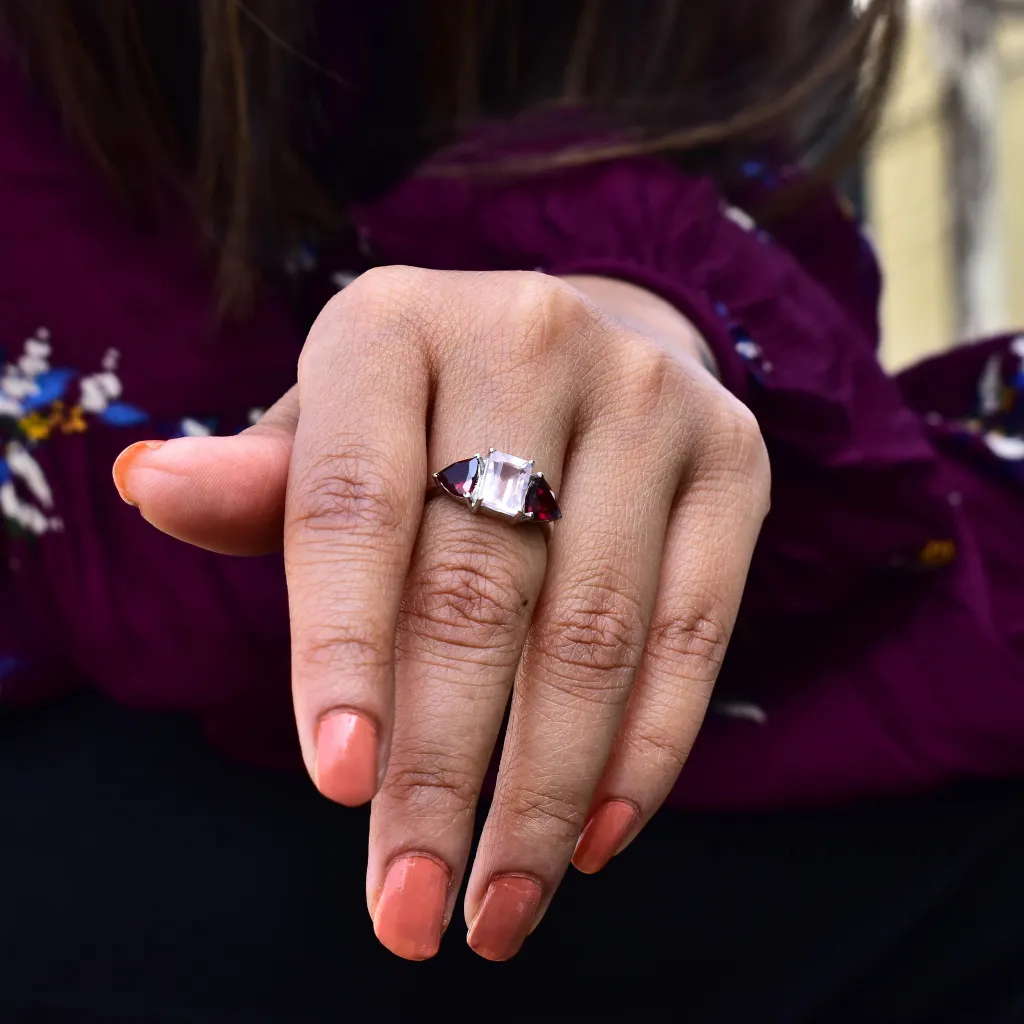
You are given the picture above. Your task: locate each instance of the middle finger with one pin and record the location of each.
(472, 585)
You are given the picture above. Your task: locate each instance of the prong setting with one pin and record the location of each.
(501, 485)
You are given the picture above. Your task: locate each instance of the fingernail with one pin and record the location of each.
(346, 758)
(410, 911)
(604, 834)
(505, 917)
(128, 460)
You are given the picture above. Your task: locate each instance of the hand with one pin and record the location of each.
(413, 621)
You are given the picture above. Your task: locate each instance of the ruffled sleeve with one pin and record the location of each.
(856, 489)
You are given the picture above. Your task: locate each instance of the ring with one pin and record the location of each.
(502, 485)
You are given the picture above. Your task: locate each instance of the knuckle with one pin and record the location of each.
(647, 379)
(331, 646)
(747, 440)
(734, 453)
(348, 491)
(472, 599)
(384, 306)
(659, 748)
(751, 459)
(378, 289)
(739, 435)
(592, 645)
(546, 815)
(548, 297)
(692, 646)
(546, 310)
(434, 781)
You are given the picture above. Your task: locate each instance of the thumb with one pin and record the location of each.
(225, 494)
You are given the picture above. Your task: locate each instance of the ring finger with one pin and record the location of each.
(577, 671)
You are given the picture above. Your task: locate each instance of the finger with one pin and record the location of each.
(225, 494)
(707, 556)
(354, 501)
(464, 619)
(471, 589)
(577, 670)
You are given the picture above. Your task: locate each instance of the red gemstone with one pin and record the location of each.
(541, 504)
(459, 478)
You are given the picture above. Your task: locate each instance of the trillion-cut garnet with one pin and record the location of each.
(459, 478)
(541, 504)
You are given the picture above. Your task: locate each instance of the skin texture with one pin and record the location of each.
(416, 622)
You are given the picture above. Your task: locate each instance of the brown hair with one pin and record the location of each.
(221, 101)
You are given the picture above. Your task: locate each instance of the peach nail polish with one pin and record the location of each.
(124, 462)
(607, 830)
(505, 917)
(346, 758)
(410, 911)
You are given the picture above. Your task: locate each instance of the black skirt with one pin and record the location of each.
(145, 881)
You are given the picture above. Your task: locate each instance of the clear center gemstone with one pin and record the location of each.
(504, 484)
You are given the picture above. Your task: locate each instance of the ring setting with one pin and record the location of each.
(501, 485)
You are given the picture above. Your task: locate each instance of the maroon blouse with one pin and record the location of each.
(880, 648)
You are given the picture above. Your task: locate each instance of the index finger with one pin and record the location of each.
(354, 501)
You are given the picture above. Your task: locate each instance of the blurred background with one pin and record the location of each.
(943, 189)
